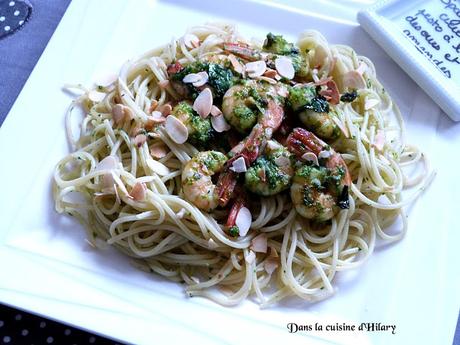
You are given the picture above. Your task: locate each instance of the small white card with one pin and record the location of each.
(423, 37)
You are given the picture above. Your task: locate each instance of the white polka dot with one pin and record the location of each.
(42, 324)
(1, 323)
(7, 28)
(6, 339)
(12, 3)
(49, 340)
(2, 19)
(21, 22)
(67, 331)
(16, 13)
(18, 317)
(24, 332)
(92, 340)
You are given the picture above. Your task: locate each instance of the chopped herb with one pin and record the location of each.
(278, 45)
(234, 231)
(349, 96)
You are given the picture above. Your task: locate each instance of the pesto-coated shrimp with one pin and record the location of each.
(199, 129)
(243, 105)
(318, 191)
(197, 185)
(314, 111)
(272, 172)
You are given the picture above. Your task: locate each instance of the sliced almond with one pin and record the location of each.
(324, 154)
(203, 103)
(176, 129)
(237, 66)
(108, 163)
(191, 78)
(165, 109)
(243, 221)
(219, 123)
(271, 264)
(239, 165)
(273, 145)
(138, 192)
(191, 41)
(203, 79)
(270, 73)
(153, 105)
(310, 157)
(96, 96)
(157, 167)
(362, 68)
(259, 243)
(285, 67)
(215, 111)
(118, 113)
(354, 80)
(256, 68)
(139, 140)
(158, 150)
(370, 103)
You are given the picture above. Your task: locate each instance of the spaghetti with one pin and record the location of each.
(199, 162)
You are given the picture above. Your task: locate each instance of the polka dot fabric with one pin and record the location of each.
(18, 327)
(13, 15)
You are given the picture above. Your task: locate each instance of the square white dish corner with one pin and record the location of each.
(47, 267)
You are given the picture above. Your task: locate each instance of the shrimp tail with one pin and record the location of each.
(301, 141)
(243, 51)
(225, 186)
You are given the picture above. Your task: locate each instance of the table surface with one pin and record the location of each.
(19, 52)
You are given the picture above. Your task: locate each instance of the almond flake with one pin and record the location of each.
(324, 154)
(354, 80)
(158, 150)
(239, 165)
(259, 243)
(153, 105)
(379, 140)
(138, 191)
(139, 140)
(370, 103)
(203, 103)
(108, 163)
(215, 111)
(165, 109)
(310, 157)
(118, 113)
(237, 66)
(243, 221)
(271, 264)
(219, 123)
(191, 41)
(256, 68)
(284, 67)
(191, 78)
(176, 129)
(203, 79)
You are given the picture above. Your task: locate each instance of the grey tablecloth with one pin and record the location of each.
(20, 51)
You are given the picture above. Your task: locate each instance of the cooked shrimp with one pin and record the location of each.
(272, 172)
(242, 105)
(249, 148)
(199, 129)
(197, 185)
(318, 191)
(314, 111)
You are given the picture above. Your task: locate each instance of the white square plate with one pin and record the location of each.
(47, 267)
